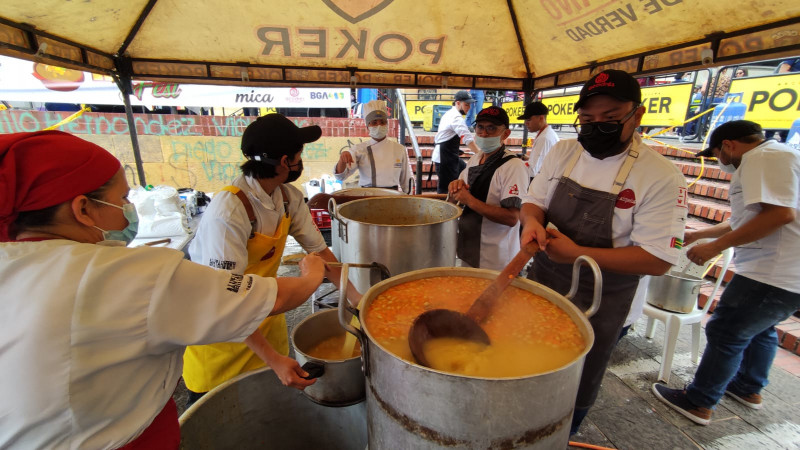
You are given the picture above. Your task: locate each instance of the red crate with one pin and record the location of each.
(321, 219)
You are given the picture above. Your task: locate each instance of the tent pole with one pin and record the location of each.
(123, 81)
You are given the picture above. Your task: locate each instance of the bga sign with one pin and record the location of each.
(665, 105)
(773, 102)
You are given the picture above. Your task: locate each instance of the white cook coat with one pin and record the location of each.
(542, 143)
(221, 238)
(452, 123)
(499, 243)
(657, 219)
(391, 164)
(93, 336)
(769, 173)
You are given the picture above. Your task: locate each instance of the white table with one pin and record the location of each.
(178, 242)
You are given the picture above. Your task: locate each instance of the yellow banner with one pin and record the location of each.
(666, 104)
(514, 109)
(418, 109)
(773, 102)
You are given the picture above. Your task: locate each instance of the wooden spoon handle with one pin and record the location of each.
(483, 305)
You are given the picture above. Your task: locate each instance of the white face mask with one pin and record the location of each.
(378, 132)
(489, 144)
(727, 168)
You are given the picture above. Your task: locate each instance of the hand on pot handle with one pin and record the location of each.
(291, 374)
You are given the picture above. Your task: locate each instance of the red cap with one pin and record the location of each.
(47, 168)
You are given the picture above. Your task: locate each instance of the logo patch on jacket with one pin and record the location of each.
(676, 243)
(626, 199)
(514, 190)
(682, 198)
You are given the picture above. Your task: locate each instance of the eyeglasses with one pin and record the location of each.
(608, 127)
(489, 129)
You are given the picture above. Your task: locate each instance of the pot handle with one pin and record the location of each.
(314, 370)
(598, 283)
(343, 306)
(332, 208)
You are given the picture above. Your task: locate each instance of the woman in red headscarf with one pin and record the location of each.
(94, 332)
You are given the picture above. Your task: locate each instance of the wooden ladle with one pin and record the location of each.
(445, 323)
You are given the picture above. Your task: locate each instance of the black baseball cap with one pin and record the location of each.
(534, 109)
(616, 83)
(272, 136)
(463, 96)
(729, 131)
(494, 114)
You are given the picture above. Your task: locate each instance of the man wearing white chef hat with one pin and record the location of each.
(380, 162)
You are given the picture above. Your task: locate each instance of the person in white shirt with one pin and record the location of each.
(380, 162)
(764, 228)
(447, 143)
(612, 198)
(535, 117)
(244, 230)
(94, 332)
(490, 189)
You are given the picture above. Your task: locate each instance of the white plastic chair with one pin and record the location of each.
(673, 321)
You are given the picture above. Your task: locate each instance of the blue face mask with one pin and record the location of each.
(126, 235)
(489, 144)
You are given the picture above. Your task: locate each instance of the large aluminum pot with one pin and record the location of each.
(354, 192)
(674, 292)
(411, 406)
(255, 411)
(403, 233)
(342, 381)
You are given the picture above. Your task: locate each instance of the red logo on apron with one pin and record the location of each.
(269, 254)
(514, 190)
(626, 199)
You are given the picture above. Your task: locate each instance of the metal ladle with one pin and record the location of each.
(445, 323)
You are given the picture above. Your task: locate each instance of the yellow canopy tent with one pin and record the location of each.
(486, 44)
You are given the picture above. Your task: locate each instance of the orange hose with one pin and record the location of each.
(582, 445)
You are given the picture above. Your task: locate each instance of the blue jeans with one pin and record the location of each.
(742, 340)
(476, 107)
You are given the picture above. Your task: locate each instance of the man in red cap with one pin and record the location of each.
(91, 348)
(610, 197)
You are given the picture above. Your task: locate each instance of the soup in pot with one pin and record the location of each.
(332, 348)
(528, 333)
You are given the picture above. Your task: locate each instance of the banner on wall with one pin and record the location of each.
(25, 81)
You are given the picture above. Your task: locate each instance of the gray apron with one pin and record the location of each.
(585, 216)
(374, 172)
(479, 179)
(450, 165)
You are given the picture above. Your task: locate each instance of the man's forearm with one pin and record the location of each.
(531, 213)
(497, 214)
(627, 260)
(766, 222)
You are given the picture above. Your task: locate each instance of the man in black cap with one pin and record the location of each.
(535, 118)
(447, 143)
(612, 198)
(765, 230)
(490, 188)
(244, 230)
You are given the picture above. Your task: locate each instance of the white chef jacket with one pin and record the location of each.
(651, 207)
(452, 123)
(545, 139)
(499, 243)
(769, 173)
(222, 235)
(93, 336)
(391, 164)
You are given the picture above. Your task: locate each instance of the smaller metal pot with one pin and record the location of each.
(674, 293)
(342, 381)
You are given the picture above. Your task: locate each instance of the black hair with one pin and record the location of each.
(27, 220)
(261, 169)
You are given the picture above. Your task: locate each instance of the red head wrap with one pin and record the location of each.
(47, 168)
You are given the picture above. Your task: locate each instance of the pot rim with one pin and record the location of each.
(315, 316)
(457, 211)
(563, 303)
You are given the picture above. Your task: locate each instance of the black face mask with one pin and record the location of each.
(603, 139)
(293, 175)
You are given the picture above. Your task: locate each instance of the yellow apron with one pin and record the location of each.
(207, 366)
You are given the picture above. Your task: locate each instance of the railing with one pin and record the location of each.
(405, 124)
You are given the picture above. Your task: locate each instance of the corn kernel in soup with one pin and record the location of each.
(528, 333)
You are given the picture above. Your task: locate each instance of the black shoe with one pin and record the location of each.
(677, 400)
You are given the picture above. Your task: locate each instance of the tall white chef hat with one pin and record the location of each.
(376, 109)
